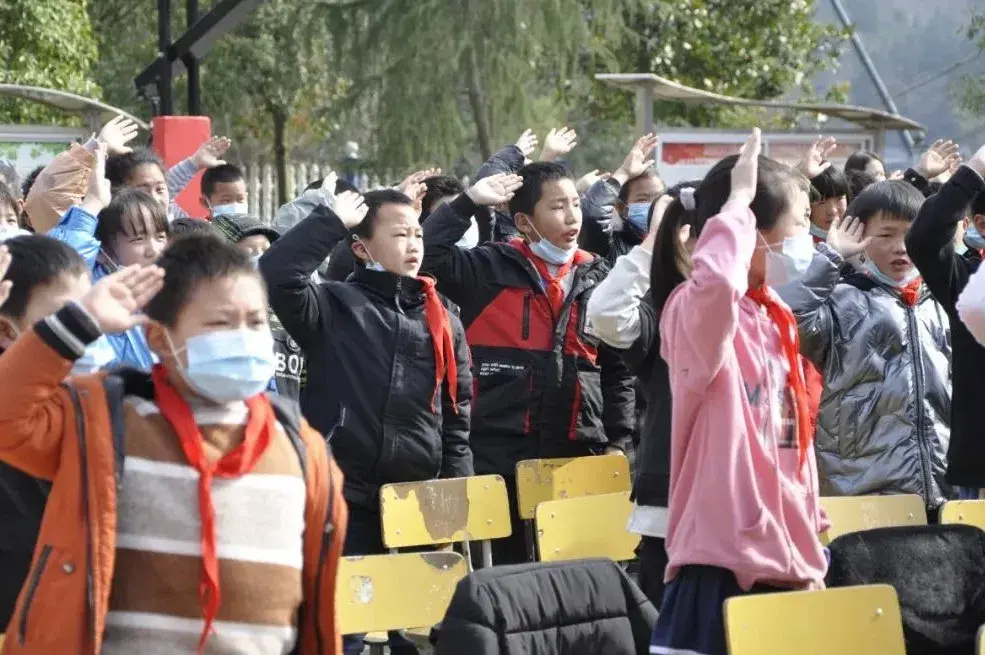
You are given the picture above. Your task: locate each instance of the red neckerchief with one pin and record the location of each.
(784, 320)
(239, 461)
(444, 346)
(553, 284)
(911, 292)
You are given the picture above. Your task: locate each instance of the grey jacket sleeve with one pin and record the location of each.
(508, 160)
(598, 206)
(809, 299)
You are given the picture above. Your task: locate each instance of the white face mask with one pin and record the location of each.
(230, 209)
(793, 260)
(549, 252)
(372, 264)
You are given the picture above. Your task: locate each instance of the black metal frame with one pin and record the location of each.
(156, 82)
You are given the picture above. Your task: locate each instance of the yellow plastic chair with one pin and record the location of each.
(535, 483)
(377, 593)
(857, 513)
(590, 526)
(980, 649)
(965, 512)
(848, 621)
(576, 476)
(435, 512)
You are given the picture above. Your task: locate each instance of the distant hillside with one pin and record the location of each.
(913, 43)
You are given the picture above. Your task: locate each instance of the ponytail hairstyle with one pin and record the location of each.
(671, 261)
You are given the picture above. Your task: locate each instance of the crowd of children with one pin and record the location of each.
(753, 340)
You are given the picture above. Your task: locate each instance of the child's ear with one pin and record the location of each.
(359, 250)
(8, 332)
(157, 339)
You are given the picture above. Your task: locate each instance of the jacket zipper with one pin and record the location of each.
(32, 588)
(84, 465)
(526, 316)
(911, 322)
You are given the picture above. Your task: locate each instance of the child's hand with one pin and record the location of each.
(495, 189)
(98, 193)
(5, 286)
(527, 143)
(115, 300)
(558, 143)
(939, 159)
(816, 160)
(638, 159)
(586, 181)
(117, 133)
(847, 239)
(745, 173)
(208, 154)
(350, 208)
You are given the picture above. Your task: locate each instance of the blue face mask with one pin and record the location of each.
(637, 213)
(231, 209)
(98, 354)
(549, 252)
(818, 232)
(973, 238)
(790, 264)
(229, 365)
(876, 274)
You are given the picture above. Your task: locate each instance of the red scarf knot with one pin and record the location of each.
(910, 293)
(444, 344)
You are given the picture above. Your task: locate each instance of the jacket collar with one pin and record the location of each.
(409, 291)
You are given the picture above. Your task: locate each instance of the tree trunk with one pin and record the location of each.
(477, 101)
(280, 154)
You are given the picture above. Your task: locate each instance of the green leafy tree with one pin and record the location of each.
(46, 43)
(971, 89)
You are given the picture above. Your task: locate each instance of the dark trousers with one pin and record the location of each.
(652, 553)
(14, 567)
(512, 549)
(364, 536)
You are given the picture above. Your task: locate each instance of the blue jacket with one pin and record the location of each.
(78, 229)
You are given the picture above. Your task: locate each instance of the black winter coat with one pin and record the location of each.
(370, 365)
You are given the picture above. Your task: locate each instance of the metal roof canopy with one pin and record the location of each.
(650, 87)
(94, 113)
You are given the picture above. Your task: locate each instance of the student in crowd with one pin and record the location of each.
(930, 245)
(224, 191)
(113, 232)
(858, 181)
(388, 367)
(182, 226)
(866, 162)
(254, 238)
(616, 209)
(622, 313)
(441, 189)
(10, 209)
(150, 552)
(882, 345)
(543, 387)
(744, 505)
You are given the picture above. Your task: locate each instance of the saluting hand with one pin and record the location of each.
(350, 208)
(115, 300)
(495, 189)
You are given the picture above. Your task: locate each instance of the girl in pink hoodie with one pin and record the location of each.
(743, 512)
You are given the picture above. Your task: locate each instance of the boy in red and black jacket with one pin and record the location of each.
(543, 386)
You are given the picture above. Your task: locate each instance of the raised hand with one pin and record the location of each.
(846, 236)
(938, 159)
(350, 208)
(745, 173)
(816, 160)
(638, 159)
(588, 179)
(117, 133)
(6, 285)
(98, 194)
(495, 189)
(527, 143)
(558, 143)
(209, 153)
(415, 178)
(115, 301)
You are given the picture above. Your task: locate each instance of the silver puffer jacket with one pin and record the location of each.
(883, 426)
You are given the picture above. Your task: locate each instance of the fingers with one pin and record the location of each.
(219, 145)
(5, 288)
(147, 285)
(511, 183)
(646, 143)
(5, 260)
(753, 146)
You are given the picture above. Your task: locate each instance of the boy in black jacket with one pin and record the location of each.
(388, 367)
(930, 245)
(544, 387)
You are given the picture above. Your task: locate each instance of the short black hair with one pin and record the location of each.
(374, 201)
(894, 198)
(859, 180)
(534, 176)
(439, 186)
(624, 189)
(120, 168)
(830, 183)
(183, 226)
(858, 161)
(977, 204)
(222, 174)
(189, 261)
(340, 186)
(29, 181)
(124, 215)
(8, 197)
(36, 261)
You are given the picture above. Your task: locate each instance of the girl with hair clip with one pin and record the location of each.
(622, 314)
(744, 511)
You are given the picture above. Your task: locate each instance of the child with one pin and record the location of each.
(188, 511)
(254, 238)
(10, 209)
(616, 209)
(182, 226)
(543, 387)
(622, 313)
(882, 345)
(744, 506)
(224, 190)
(867, 162)
(830, 202)
(930, 245)
(388, 367)
(131, 228)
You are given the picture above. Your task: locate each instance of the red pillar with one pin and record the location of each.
(178, 137)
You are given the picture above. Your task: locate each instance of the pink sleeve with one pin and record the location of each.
(700, 318)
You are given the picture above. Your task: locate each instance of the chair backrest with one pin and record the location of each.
(965, 512)
(577, 476)
(848, 621)
(980, 649)
(857, 513)
(591, 476)
(444, 511)
(589, 526)
(390, 592)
